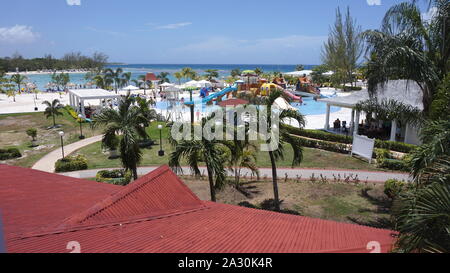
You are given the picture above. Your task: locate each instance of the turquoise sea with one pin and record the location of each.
(141, 69)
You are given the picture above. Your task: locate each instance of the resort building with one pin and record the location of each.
(402, 91)
(44, 212)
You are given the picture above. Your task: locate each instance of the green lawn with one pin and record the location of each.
(312, 158)
(12, 134)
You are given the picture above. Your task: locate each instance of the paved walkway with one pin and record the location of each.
(47, 163)
(297, 173)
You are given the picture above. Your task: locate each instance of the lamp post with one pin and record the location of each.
(80, 117)
(61, 134)
(161, 151)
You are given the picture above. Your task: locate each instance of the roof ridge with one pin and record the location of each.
(120, 195)
(104, 224)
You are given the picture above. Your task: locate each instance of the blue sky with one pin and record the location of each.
(175, 31)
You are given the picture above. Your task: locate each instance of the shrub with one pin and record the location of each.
(392, 187)
(323, 145)
(382, 154)
(115, 177)
(71, 163)
(32, 132)
(72, 113)
(393, 164)
(382, 144)
(9, 153)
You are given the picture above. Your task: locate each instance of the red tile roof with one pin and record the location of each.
(158, 213)
(151, 77)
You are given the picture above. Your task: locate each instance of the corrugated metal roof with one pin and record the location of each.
(31, 199)
(158, 213)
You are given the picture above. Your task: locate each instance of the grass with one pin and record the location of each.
(312, 158)
(332, 201)
(12, 134)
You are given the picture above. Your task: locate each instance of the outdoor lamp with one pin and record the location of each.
(80, 117)
(61, 134)
(161, 151)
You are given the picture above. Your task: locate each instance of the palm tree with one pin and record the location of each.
(178, 75)
(163, 77)
(189, 73)
(18, 80)
(145, 110)
(258, 71)
(127, 123)
(211, 74)
(196, 151)
(421, 211)
(283, 137)
(242, 155)
(52, 110)
(115, 77)
(409, 47)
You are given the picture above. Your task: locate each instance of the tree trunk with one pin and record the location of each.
(135, 175)
(211, 183)
(274, 181)
(54, 121)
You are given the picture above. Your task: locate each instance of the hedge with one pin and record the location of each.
(115, 177)
(9, 153)
(393, 164)
(321, 135)
(71, 163)
(323, 145)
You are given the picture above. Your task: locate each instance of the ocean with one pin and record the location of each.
(141, 69)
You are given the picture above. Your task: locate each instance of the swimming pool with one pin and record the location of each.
(309, 107)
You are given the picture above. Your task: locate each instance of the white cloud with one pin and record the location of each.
(427, 16)
(18, 34)
(374, 2)
(73, 2)
(174, 26)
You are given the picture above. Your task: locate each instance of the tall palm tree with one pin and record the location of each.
(163, 77)
(115, 77)
(178, 75)
(52, 110)
(127, 124)
(19, 80)
(283, 137)
(409, 47)
(189, 73)
(421, 212)
(196, 151)
(211, 74)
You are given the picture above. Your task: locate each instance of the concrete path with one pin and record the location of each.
(297, 173)
(47, 163)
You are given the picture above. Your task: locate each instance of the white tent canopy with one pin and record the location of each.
(299, 73)
(191, 83)
(166, 84)
(204, 83)
(130, 88)
(78, 96)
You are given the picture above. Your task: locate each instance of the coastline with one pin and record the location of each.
(45, 73)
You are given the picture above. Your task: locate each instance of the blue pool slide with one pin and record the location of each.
(221, 93)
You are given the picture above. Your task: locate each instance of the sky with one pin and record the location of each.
(180, 31)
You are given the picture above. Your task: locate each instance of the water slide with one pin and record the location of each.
(221, 93)
(292, 96)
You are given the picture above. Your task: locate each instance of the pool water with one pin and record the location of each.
(309, 107)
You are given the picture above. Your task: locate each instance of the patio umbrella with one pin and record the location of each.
(204, 83)
(130, 88)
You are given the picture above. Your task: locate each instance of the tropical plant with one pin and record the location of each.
(343, 48)
(422, 213)
(279, 136)
(145, 110)
(408, 46)
(32, 132)
(163, 77)
(211, 74)
(115, 77)
(53, 110)
(61, 80)
(125, 123)
(19, 80)
(196, 151)
(178, 75)
(235, 72)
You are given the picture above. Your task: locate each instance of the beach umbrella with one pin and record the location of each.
(248, 72)
(204, 83)
(166, 84)
(130, 88)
